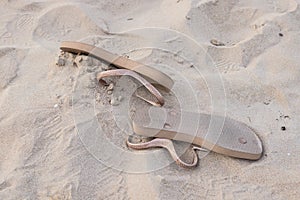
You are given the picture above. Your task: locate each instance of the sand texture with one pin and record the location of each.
(238, 57)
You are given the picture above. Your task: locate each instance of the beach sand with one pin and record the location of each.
(251, 46)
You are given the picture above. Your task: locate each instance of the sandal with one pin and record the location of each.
(219, 134)
(150, 73)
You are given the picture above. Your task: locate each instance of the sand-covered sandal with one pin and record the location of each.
(156, 142)
(119, 61)
(167, 144)
(148, 86)
(232, 138)
(228, 137)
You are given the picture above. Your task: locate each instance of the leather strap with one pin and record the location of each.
(150, 73)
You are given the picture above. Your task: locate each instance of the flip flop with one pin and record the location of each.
(150, 73)
(233, 138)
(167, 144)
(226, 136)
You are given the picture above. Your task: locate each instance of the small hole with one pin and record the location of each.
(283, 128)
(280, 34)
(167, 126)
(242, 140)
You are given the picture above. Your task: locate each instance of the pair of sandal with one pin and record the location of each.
(216, 133)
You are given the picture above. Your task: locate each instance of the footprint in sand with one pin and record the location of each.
(245, 34)
(67, 22)
(16, 29)
(10, 59)
(238, 57)
(223, 21)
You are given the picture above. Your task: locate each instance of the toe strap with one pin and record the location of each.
(167, 144)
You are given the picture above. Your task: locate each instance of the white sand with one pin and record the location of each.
(42, 156)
